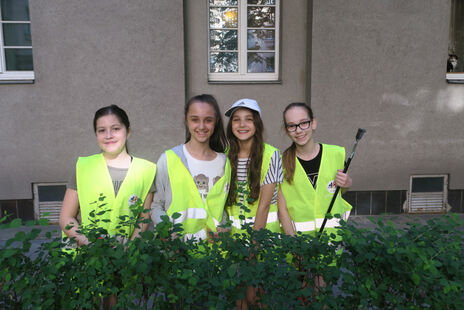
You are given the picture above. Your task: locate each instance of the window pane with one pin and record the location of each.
(17, 34)
(223, 2)
(223, 62)
(223, 39)
(259, 16)
(18, 59)
(223, 17)
(260, 39)
(265, 2)
(17, 10)
(260, 62)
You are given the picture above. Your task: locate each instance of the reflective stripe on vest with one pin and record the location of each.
(271, 218)
(191, 213)
(198, 236)
(93, 179)
(307, 207)
(196, 215)
(313, 225)
(234, 211)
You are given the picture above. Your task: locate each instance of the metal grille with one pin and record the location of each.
(52, 209)
(427, 203)
(428, 194)
(48, 199)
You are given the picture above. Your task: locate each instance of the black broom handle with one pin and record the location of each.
(359, 135)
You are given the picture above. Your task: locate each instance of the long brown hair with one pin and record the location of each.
(289, 155)
(254, 162)
(218, 141)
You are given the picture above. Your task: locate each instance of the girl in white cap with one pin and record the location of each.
(256, 168)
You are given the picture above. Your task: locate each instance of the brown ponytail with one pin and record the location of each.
(288, 161)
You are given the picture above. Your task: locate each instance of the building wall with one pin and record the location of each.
(272, 97)
(381, 65)
(89, 54)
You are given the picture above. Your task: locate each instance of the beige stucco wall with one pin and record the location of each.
(89, 54)
(381, 65)
(271, 97)
(373, 64)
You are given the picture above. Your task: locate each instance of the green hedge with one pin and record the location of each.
(385, 268)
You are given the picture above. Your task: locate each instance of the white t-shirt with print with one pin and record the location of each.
(205, 173)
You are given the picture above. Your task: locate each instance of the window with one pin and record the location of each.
(243, 40)
(15, 42)
(455, 63)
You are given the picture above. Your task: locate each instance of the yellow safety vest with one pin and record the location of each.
(235, 211)
(196, 215)
(308, 206)
(93, 181)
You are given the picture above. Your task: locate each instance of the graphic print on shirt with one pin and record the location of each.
(201, 181)
(313, 178)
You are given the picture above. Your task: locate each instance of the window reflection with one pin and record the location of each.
(261, 39)
(18, 59)
(221, 62)
(223, 2)
(223, 39)
(262, 2)
(223, 18)
(260, 62)
(259, 16)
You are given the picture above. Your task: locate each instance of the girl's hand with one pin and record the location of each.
(343, 179)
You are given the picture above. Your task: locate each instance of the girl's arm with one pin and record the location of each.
(143, 216)
(343, 180)
(68, 215)
(265, 197)
(284, 217)
(163, 194)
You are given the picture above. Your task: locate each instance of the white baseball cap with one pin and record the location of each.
(244, 103)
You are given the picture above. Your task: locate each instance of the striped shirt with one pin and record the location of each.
(274, 174)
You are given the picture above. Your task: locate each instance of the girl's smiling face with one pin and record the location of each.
(200, 121)
(299, 116)
(111, 134)
(243, 126)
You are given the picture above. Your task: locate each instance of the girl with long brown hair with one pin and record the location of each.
(311, 173)
(255, 166)
(193, 177)
(256, 171)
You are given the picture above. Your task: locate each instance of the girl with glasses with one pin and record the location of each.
(312, 172)
(193, 178)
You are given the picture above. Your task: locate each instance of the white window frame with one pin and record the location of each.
(12, 76)
(242, 75)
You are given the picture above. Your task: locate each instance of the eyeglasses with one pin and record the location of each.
(303, 125)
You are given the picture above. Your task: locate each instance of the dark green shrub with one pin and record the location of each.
(387, 268)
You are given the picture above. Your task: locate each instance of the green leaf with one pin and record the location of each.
(15, 223)
(192, 281)
(176, 215)
(415, 278)
(43, 222)
(232, 270)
